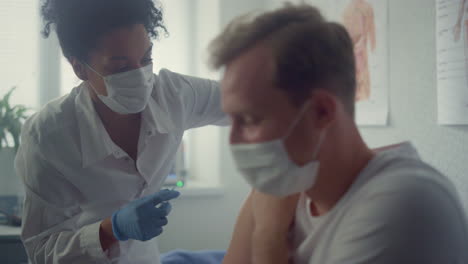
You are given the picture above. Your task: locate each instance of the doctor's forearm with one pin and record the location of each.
(106, 235)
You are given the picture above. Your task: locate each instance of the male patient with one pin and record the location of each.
(321, 196)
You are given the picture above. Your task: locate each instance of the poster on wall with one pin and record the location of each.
(452, 61)
(367, 23)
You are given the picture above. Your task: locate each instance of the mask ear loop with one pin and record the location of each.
(93, 70)
(319, 144)
(297, 120)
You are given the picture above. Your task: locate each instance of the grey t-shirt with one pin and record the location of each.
(399, 210)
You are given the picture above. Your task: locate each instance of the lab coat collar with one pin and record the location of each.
(93, 136)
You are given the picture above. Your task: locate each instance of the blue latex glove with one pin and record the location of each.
(141, 219)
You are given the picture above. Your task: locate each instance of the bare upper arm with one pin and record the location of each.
(239, 250)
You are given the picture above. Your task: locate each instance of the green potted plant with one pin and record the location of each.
(11, 120)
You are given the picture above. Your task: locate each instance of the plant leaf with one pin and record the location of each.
(11, 119)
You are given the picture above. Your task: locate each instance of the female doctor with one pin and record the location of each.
(93, 161)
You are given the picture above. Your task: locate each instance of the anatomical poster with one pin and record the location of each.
(367, 24)
(452, 61)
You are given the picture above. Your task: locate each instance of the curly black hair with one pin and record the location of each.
(80, 23)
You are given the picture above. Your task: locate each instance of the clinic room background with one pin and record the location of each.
(409, 103)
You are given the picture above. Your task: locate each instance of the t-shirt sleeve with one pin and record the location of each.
(416, 222)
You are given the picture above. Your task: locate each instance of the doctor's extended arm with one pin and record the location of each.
(200, 99)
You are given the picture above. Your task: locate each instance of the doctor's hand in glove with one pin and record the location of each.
(144, 218)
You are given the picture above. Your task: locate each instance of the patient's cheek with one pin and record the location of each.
(261, 134)
(255, 135)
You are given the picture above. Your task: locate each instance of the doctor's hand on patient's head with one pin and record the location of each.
(144, 218)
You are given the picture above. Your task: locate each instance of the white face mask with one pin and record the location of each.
(128, 92)
(267, 167)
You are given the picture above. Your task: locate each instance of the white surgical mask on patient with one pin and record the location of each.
(268, 168)
(128, 92)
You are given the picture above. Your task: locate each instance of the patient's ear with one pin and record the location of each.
(324, 108)
(79, 68)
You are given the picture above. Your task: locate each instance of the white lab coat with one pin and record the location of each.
(75, 176)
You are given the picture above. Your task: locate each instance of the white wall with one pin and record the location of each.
(413, 94)
(18, 50)
(207, 223)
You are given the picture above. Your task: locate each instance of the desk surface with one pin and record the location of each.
(9, 231)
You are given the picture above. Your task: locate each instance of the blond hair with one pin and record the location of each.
(309, 52)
